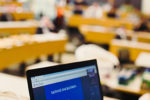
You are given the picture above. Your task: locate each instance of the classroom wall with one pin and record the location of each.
(146, 6)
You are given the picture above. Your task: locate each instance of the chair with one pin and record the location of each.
(124, 56)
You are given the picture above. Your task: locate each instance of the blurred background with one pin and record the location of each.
(40, 33)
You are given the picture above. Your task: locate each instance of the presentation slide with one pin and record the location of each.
(80, 88)
(67, 90)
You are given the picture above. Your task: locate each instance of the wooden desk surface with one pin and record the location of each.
(135, 48)
(2, 3)
(104, 35)
(77, 20)
(97, 34)
(18, 54)
(19, 86)
(141, 36)
(18, 27)
(22, 15)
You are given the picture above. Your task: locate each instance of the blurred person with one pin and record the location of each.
(108, 6)
(142, 26)
(134, 17)
(45, 25)
(127, 7)
(145, 97)
(67, 1)
(94, 11)
(121, 33)
(59, 20)
(61, 3)
(112, 13)
(6, 17)
(80, 2)
(78, 9)
(47, 7)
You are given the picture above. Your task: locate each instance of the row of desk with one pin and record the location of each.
(78, 20)
(106, 35)
(18, 27)
(102, 35)
(21, 15)
(134, 48)
(24, 52)
(24, 15)
(3, 3)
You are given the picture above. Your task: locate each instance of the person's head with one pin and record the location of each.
(95, 4)
(79, 1)
(143, 20)
(111, 2)
(79, 7)
(41, 15)
(127, 2)
(113, 10)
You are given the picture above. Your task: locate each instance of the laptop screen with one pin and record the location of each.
(75, 84)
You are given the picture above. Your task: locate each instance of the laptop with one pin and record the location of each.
(74, 81)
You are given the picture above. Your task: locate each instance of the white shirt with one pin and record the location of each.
(93, 12)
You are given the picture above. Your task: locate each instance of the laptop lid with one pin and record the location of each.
(75, 81)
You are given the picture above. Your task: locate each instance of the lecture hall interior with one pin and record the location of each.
(42, 33)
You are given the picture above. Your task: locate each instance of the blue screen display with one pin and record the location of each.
(75, 84)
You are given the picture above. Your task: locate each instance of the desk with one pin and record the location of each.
(18, 27)
(18, 54)
(134, 87)
(22, 15)
(141, 36)
(77, 20)
(3, 3)
(97, 34)
(19, 85)
(135, 48)
(104, 35)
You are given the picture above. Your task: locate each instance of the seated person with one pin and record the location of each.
(121, 33)
(112, 13)
(108, 5)
(127, 7)
(145, 97)
(94, 11)
(78, 10)
(80, 2)
(45, 25)
(143, 26)
(134, 17)
(6, 17)
(58, 21)
(79, 6)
